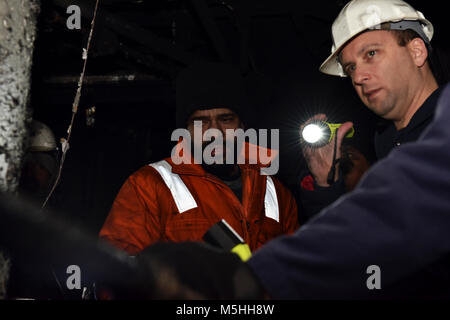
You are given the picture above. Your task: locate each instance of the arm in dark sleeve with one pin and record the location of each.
(398, 218)
(311, 202)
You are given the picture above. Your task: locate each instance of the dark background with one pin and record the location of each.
(137, 50)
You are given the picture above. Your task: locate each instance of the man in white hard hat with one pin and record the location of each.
(383, 46)
(40, 164)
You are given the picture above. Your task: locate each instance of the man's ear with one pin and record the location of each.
(418, 51)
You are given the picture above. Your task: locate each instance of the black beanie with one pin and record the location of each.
(209, 85)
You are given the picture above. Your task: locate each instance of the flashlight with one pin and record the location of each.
(320, 133)
(222, 235)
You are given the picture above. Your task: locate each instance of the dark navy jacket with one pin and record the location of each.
(398, 218)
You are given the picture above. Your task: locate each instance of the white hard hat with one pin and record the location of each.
(361, 15)
(41, 138)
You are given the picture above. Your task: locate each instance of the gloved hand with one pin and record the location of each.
(194, 270)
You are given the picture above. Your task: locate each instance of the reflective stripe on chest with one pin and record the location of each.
(185, 201)
(180, 193)
(271, 200)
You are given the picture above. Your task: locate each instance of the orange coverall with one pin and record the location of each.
(145, 211)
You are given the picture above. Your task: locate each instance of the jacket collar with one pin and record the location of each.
(425, 112)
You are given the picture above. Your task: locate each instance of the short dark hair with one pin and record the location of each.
(405, 36)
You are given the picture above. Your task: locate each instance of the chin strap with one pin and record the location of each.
(332, 172)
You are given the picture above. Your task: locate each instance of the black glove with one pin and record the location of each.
(194, 270)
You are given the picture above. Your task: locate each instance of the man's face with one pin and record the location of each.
(380, 71)
(219, 118)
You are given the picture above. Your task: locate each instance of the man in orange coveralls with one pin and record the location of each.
(172, 201)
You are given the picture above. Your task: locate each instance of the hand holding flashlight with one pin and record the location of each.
(318, 143)
(319, 133)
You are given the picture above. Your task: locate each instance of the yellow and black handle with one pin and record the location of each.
(222, 235)
(334, 126)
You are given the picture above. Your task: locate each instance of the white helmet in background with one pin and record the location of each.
(42, 138)
(361, 15)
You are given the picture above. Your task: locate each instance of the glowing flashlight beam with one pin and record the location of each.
(312, 133)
